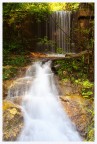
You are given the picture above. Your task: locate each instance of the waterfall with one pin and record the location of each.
(44, 117)
(57, 29)
(59, 22)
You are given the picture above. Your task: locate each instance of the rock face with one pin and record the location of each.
(77, 109)
(9, 82)
(6, 85)
(67, 88)
(19, 87)
(12, 121)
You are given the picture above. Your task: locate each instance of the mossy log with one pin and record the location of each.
(76, 55)
(60, 56)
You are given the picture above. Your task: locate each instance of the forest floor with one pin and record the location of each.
(79, 108)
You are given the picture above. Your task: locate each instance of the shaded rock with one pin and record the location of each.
(12, 121)
(6, 85)
(77, 109)
(17, 100)
(67, 88)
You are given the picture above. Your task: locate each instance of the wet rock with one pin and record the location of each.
(12, 121)
(6, 85)
(19, 87)
(77, 109)
(10, 81)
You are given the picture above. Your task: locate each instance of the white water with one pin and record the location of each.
(44, 117)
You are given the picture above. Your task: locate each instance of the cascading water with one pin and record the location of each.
(57, 29)
(44, 117)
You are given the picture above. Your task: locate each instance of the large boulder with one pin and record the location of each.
(79, 110)
(12, 121)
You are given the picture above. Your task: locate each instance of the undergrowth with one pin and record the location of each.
(12, 64)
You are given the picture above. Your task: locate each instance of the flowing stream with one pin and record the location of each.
(44, 117)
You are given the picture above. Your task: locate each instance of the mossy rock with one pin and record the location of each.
(12, 121)
(80, 112)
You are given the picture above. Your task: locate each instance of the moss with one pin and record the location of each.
(9, 72)
(12, 121)
(90, 133)
(87, 84)
(7, 105)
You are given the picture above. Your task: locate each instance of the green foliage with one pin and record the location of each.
(56, 6)
(39, 10)
(63, 67)
(87, 84)
(87, 34)
(16, 61)
(12, 65)
(14, 45)
(45, 42)
(72, 6)
(86, 93)
(14, 16)
(59, 50)
(74, 67)
(9, 73)
(90, 129)
(20, 61)
(87, 88)
(90, 136)
(77, 74)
